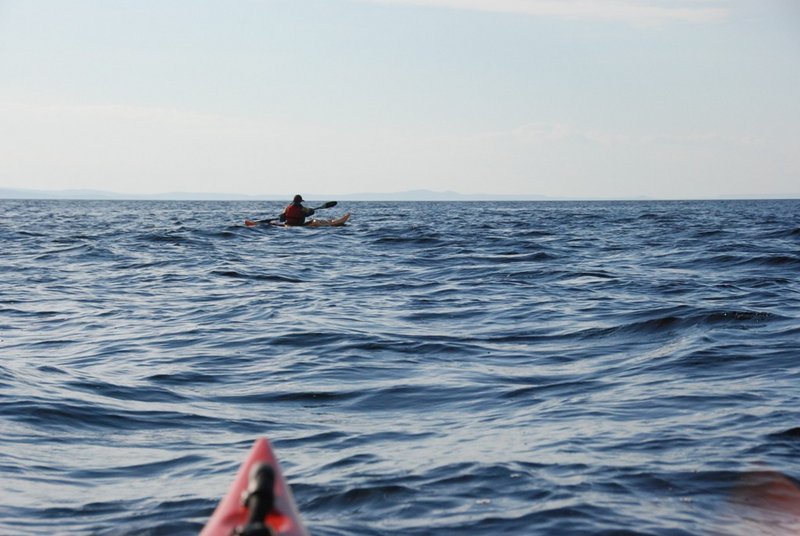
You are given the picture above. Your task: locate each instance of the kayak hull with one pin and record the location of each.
(339, 222)
(283, 519)
(329, 223)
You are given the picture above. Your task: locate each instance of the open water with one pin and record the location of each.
(431, 368)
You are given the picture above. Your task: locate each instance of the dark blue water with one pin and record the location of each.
(431, 368)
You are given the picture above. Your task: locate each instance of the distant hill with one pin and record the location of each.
(16, 193)
(430, 195)
(412, 195)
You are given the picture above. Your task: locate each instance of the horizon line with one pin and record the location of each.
(407, 195)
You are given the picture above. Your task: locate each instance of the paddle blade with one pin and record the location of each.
(250, 223)
(329, 204)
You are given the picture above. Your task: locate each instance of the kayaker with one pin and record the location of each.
(296, 213)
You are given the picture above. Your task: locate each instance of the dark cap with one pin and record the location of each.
(298, 199)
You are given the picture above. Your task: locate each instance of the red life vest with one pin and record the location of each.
(295, 215)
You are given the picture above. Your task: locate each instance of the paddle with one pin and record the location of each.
(253, 223)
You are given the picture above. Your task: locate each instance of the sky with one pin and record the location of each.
(562, 98)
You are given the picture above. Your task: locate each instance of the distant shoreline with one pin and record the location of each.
(413, 195)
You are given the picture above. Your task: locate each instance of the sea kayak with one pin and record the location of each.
(311, 223)
(258, 502)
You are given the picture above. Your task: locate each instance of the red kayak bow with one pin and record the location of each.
(258, 502)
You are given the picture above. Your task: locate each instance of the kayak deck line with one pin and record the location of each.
(259, 501)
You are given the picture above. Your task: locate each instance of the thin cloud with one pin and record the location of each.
(543, 134)
(630, 11)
